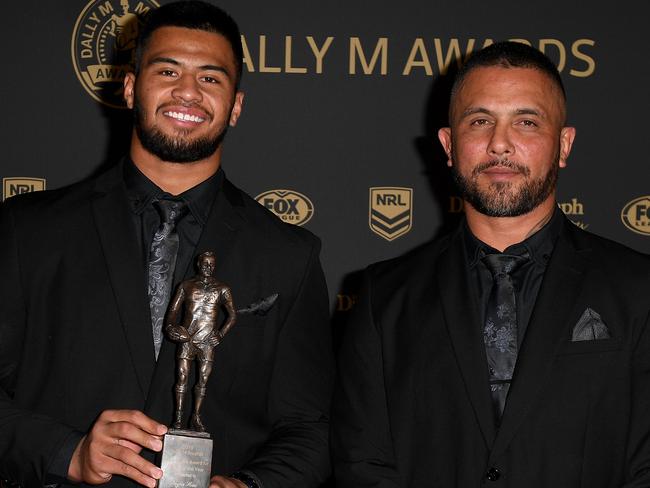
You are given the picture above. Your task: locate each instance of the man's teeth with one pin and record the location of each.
(184, 117)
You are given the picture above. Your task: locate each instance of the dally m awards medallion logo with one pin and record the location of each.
(289, 205)
(103, 46)
(391, 211)
(636, 215)
(16, 186)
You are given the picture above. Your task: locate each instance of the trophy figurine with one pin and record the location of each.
(187, 453)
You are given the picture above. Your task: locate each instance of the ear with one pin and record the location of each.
(236, 108)
(444, 136)
(129, 84)
(567, 135)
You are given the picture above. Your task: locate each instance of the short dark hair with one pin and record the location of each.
(508, 54)
(192, 14)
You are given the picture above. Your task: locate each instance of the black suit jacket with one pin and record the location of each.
(413, 409)
(75, 334)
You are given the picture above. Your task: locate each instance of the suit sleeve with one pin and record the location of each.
(297, 451)
(29, 442)
(639, 431)
(361, 439)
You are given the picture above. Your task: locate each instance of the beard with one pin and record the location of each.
(504, 199)
(174, 149)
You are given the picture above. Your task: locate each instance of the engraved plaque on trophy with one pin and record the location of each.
(186, 459)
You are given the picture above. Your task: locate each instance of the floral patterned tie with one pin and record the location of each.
(500, 332)
(162, 262)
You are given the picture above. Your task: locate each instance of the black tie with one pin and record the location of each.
(500, 332)
(162, 262)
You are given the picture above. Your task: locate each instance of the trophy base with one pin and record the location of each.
(186, 459)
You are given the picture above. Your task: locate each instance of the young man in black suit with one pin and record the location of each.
(515, 351)
(87, 381)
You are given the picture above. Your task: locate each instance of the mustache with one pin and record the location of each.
(501, 163)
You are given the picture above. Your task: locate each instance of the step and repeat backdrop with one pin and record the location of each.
(343, 102)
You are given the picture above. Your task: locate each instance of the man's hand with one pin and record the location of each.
(113, 446)
(225, 482)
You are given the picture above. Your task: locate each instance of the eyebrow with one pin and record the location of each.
(529, 111)
(476, 110)
(205, 67)
(483, 110)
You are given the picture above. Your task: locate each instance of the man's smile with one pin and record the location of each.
(184, 117)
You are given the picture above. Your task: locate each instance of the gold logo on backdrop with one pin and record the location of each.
(103, 46)
(575, 211)
(391, 211)
(345, 302)
(456, 204)
(636, 215)
(15, 186)
(289, 205)
(381, 56)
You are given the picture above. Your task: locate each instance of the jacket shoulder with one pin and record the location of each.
(406, 267)
(612, 256)
(48, 205)
(269, 227)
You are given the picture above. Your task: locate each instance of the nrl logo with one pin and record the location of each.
(16, 186)
(391, 211)
(103, 46)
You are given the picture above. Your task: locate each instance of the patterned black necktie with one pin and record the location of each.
(500, 332)
(162, 262)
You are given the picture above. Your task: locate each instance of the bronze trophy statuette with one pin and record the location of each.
(187, 453)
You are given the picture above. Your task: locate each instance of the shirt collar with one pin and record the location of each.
(539, 246)
(141, 192)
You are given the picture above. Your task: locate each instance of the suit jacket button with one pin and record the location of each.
(493, 474)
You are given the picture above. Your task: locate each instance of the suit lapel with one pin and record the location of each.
(460, 312)
(126, 271)
(550, 319)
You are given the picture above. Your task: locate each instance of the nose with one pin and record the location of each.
(187, 89)
(500, 143)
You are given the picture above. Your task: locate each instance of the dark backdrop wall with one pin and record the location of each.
(343, 101)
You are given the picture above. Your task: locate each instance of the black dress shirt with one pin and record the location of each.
(142, 192)
(527, 278)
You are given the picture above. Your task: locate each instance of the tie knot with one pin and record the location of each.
(171, 211)
(501, 265)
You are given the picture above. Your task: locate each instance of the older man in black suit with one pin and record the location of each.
(86, 378)
(515, 351)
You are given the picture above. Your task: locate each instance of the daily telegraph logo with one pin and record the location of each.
(391, 211)
(16, 186)
(289, 205)
(103, 46)
(575, 210)
(636, 215)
